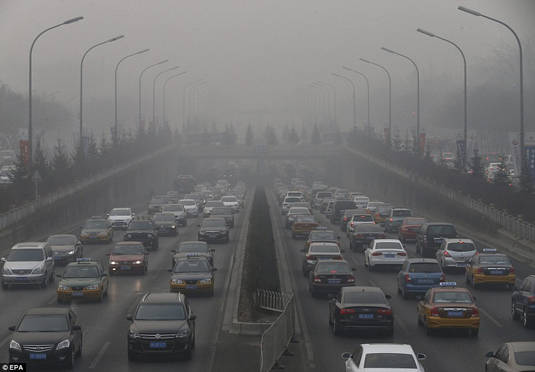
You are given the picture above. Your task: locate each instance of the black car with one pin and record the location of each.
(338, 208)
(224, 212)
(165, 223)
(328, 276)
(47, 336)
(142, 231)
(363, 234)
(162, 324)
(429, 237)
(361, 308)
(523, 302)
(214, 229)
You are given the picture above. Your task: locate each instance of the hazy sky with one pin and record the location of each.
(258, 56)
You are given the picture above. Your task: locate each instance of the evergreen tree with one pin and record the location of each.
(249, 135)
(286, 134)
(316, 136)
(61, 163)
(271, 136)
(293, 137)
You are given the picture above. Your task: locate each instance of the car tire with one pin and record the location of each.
(404, 294)
(473, 282)
(187, 354)
(337, 330)
(211, 292)
(429, 331)
(526, 322)
(473, 332)
(418, 320)
(44, 283)
(79, 352)
(69, 362)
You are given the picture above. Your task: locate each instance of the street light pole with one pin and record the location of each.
(333, 89)
(523, 164)
(30, 123)
(465, 137)
(154, 91)
(116, 126)
(82, 81)
(164, 90)
(389, 97)
(368, 94)
(345, 78)
(417, 93)
(139, 87)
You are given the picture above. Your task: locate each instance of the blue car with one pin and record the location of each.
(417, 275)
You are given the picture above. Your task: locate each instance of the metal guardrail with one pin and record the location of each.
(276, 338)
(271, 300)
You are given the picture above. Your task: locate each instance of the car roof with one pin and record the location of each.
(29, 245)
(362, 289)
(47, 310)
(316, 244)
(387, 241)
(458, 240)
(192, 241)
(83, 263)
(421, 260)
(522, 346)
(162, 298)
(388, 348)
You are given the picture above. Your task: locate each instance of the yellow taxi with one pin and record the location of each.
(83, 279)
(303, 225)
(490, 267)
(192, 274)
(447, 307)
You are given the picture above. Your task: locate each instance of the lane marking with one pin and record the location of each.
(99, 355)
(491, 318)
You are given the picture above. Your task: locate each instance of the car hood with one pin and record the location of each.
(78, 282)
(23, 265)
(157, 326)
(191, 276)
(127, 257)
(62, 248)
(39, 338)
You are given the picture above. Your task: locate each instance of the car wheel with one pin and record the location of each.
(418, 320)
(187, 354)
(337, 330)
(79, 352)
(429, 331)
(44, 282)
(69, 362)
(404, 294)
(526, 322)
(474, 332)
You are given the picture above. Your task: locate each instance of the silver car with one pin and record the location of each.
(455, 253)
(65, 248)
(28, 263)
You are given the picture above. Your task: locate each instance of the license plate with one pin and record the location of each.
(461, 264)
(437, 240)
(125, 267)
(365, 316)
(191, 286)
(37, 356)
(77, 293)
(333, 281)
(389, 255)
(496, 272)
(20, 278)
(455, 314)
(158, 345)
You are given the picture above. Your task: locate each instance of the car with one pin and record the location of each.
(96, 230)
(429, 237)
(48, 336)
(364, 234)
(382, 212)
(383, 357)
(193, 248)
(155, 204)
(361, 201)
(346, 216)
(165, 223)
(455, 253)
(288, 202)
(119, 218)
(293, 212)
(523, 302)
(384, 252)
(409, 228)
(65, 248)
(143, 230)
(179, 212)
(225, 213)
(214, 230)
(358, 219)
(512, 357)
(83, 279)
(361, 308)
(320, 251)
(338, 208)
(198, 198)
(29, 263)
(319, 197)
(211, 204)
(130, 257)
(417, 275)
(490, 268)
(231, 201)
(326, 206)
(372, 206)
(190, 206)
(162, 324)
(328, 276)
(394, 221)
(193, 274)
(184, 183)
(321, 234)
(296, 194)
(448, 307)
(302, 226)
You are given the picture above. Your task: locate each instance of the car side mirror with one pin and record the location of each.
(107, 214)
(346, 356)
(421, 356)
(192, 317)
(342, 250)
(490, 354)
(3, 259)
(12, 328)
(76, 328)
(59, 275)
(104, 274)
(212, 250)
(129, 317)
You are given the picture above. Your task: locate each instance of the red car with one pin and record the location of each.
(128, 257)
(409, 227)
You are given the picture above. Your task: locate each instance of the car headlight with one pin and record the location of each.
(138, 262)
(70, 252)
(183, 332)
(15, 345)
(205, 281)
(38, 270)
(92, 286)
(149, 235)
(113, 262)
(177, 281)
(128, 236)
(173, 227)
(63, 345)
(133, 334)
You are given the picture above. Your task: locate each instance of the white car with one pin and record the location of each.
(211, 204)
(361, 201)
(190, 206)
(358, 219)
(384, 358)
(455, 253)
(119, 218)
(231, 201)
(384, 252)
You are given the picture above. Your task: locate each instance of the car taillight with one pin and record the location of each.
(407, 278)
(351, 279)
(339, 257)
(531, 299)
(402, 254)
(345, 219)
(443, 277)
(384, 311)
(352, 224)
(347, 311)
(447, 254)
(475, 311)
(311, 258)
(434, 311)
(317, 279)
(377, 254)
(511, 270)
(391, 219)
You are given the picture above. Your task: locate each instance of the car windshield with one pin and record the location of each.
(192, 247)
(364, 297)
(25, 255)
(79, 271)
(461, 247)
(229, 199)
(188, 202)
(213, 223)
(332, 267)
(452, 297)
(442, 230)
(44, 323)
(363, 218)
(495, 260)
(322, 235)
(160, 312)
(96, 224)
(324, 248)
(120, 212)
(128, 250)
(140, 225)
(292, 200)
(389, 360)
(305, 219)
(323, 195)
(525, 358)
(164, 218)
(62, 240)
(192, 266)
(424, 267)
(157, 201)
(388, 245)
(401, 213)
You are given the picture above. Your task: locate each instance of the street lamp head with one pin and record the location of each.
(347, 68)
(143, 51)
(114, 39)
(173, 68)
(72, 20)
(422, 31)
(388, 50)
(365, 60)
(469, 11)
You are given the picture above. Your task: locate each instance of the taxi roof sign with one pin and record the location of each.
(489, 250)
(83, 259)
(448, 284)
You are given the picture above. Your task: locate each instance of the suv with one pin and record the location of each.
(142, 231)
(119, 218)
(523, 302)
(162, 323)
(430, 237)
(338, 208)
(394, 221)
(455, 253)
(28, 263)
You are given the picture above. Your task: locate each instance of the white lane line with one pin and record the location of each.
(491, 318)
(99, 355)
